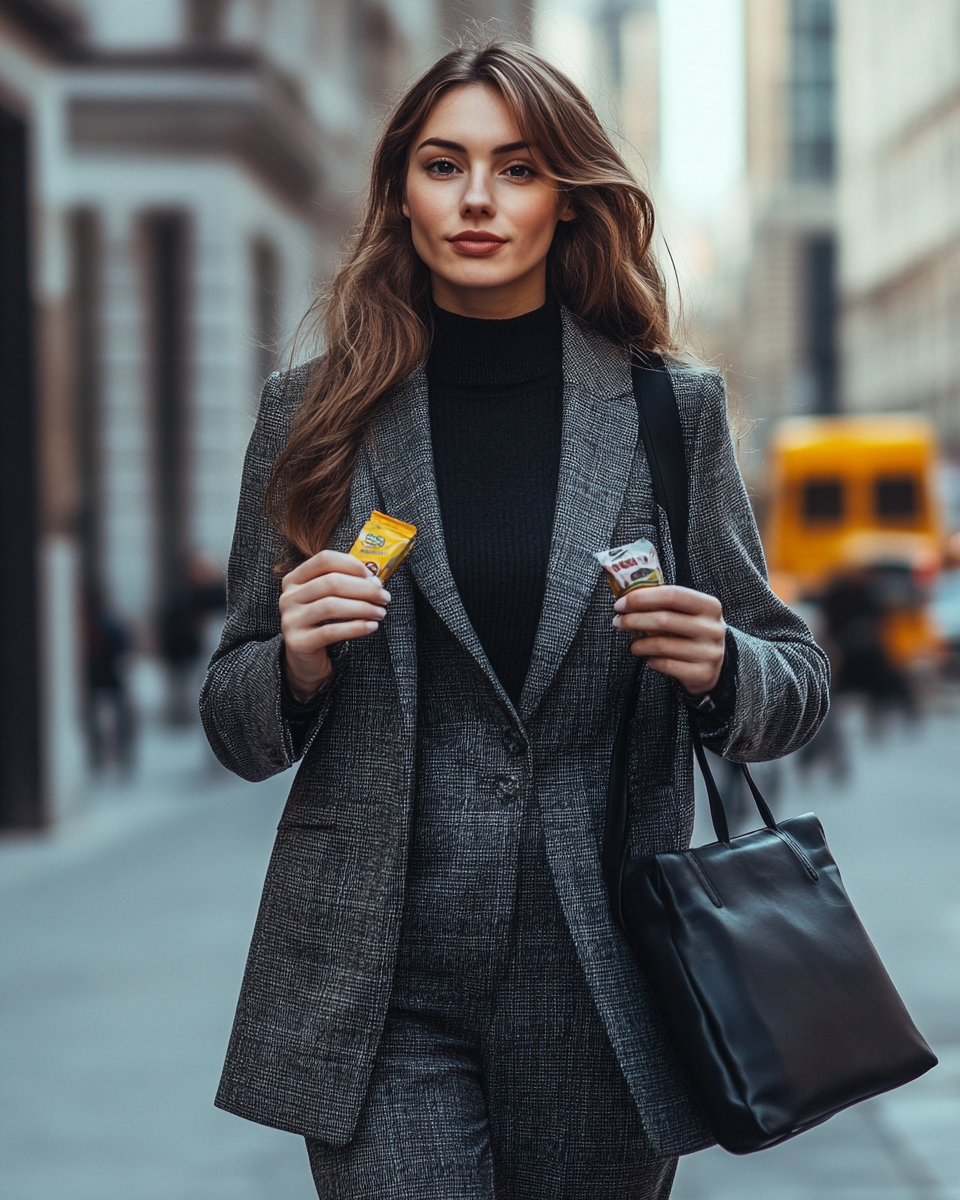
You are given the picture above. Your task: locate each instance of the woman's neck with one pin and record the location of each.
(514, 299)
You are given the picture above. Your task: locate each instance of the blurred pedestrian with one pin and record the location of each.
(109, 717)
(854, 608)
(437, 996)
(184, 619)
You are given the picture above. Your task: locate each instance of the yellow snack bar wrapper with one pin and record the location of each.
(383, 543)
(631, 566)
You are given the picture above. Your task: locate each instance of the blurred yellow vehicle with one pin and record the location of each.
(855, 494)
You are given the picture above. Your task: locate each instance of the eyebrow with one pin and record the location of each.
(443, 144)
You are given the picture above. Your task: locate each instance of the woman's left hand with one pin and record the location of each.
(684, 633)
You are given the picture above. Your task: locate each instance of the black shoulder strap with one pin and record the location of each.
(663, 442)
(662, 434)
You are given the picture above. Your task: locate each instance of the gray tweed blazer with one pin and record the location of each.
(319, 974)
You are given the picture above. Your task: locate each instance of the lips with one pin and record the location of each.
(476, 242)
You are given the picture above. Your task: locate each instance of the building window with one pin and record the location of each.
(821, 322)
(811, 107)
(167, 245)
(821, 501)
(266, 306)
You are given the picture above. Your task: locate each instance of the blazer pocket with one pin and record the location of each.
(307, 819)
(309, 810)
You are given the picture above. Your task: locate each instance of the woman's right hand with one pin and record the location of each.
(331, 597)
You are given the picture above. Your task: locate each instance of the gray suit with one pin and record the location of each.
(321, 966)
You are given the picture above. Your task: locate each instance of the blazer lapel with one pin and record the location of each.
(401, 457)
(597, 453)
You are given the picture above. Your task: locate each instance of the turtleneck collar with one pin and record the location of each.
(469, 351)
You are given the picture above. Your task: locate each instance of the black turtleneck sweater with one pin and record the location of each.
(496, 417)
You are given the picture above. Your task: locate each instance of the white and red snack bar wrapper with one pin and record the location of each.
(631, 566)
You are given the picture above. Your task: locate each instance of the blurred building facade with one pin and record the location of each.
(899, 207)
(783, 343)
(174, 177)
(611, 48)
(627, 79)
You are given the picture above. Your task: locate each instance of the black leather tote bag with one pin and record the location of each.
(773, 999)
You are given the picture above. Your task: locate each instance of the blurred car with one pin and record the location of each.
(855, 498)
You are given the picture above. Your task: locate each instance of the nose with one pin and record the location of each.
(477, 199)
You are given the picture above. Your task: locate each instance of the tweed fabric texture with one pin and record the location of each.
(495, 1075)
(320, 971)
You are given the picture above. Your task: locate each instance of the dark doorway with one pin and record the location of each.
(85, 245)
(167, 249)
(821, 321)
(21, 804)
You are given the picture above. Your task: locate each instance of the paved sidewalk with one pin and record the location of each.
(123, 935)
(122, 940)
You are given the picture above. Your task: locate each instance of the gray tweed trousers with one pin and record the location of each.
(495, 1076)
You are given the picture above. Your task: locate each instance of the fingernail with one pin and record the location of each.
(620, 605)
(372, 625)
(385, 596)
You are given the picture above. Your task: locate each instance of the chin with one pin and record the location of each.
(477, 277)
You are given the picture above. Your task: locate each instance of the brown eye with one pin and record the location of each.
(442, 166)
(519, 171)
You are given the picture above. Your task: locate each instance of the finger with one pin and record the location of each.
(325, 562)
(345, 631)
(681, 649)
(668, 596)
(331, 608)
(366, 587)
(310, 641)
(674, 623)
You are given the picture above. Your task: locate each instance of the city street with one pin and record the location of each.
(123, 941)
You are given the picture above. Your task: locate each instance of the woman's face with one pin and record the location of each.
(481, 216)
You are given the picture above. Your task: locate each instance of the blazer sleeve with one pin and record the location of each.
(249, 727)
(782, 683)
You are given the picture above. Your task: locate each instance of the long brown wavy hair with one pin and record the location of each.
(376, 322)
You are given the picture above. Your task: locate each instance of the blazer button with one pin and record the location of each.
(506, 786)
(512, 742)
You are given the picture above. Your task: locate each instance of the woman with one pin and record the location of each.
(436, 996)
